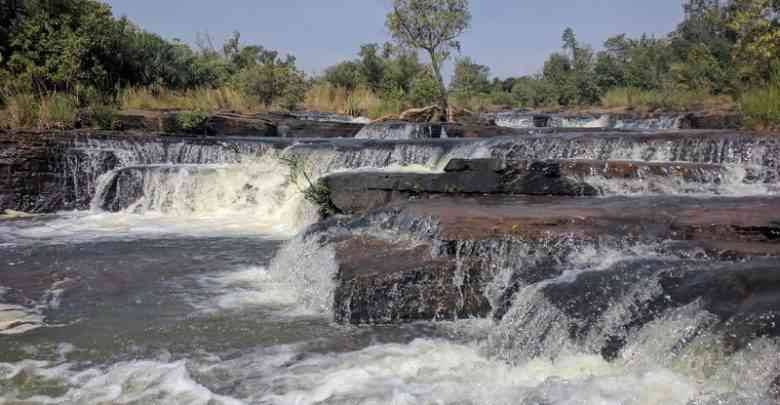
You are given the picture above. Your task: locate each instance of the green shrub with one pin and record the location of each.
(761, 107)
(57, 111)
(667, 99)
(21, 110)
(104, 117)
(392, 103)
(190, 122)
(271, 83)
(425, 90)
(200, 99)
(533, 92)
(314, 191)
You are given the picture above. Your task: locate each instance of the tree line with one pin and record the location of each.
(722, 52)
(79, 48)
(728, 50)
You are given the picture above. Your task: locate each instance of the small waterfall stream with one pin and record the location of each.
(196, 276)
(526, 120)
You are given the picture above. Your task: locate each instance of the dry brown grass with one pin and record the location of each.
(761, 107)
(670, 100)
(325, 97)
(48, 111)
(201, 99)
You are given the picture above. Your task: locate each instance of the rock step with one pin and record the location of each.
(609, 169)
(359, 192)
(435, 277)
(750, 219)
(233, 124)
(386, 282)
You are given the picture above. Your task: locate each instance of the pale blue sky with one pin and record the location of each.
(513, 37)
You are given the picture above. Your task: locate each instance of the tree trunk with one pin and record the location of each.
(436, 65)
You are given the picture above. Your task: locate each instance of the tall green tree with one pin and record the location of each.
(570, 42)
(703, 45)
(273, 81)
(372, 66)
(756, 24)
(346, 75)
(402, 66)
(470, 78)
(432, 26)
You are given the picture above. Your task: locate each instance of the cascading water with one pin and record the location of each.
(331, 117)
(401, 131)
(186, 295)
(526, 120)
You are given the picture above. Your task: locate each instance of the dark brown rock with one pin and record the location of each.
(431, 113)
(774, 389)
(140, 120)
(290, 126)
(746, 219)
(229, 124)
(475, 165)
(41, 173)
(235, 124)
(383, 282)
(362, 191)
(715, 120)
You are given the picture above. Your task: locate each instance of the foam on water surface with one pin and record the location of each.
(526, 357)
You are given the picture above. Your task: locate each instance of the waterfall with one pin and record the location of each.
(603, 319)
(401, 131)
(331, 117)
(179, 177)
(524, 120)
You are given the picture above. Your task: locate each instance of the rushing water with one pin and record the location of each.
(524, 120)
(202, 291)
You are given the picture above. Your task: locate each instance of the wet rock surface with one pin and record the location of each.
(235, 124)
(42, 174)
(359, 192)
(748, 219)
(742, 297)
(383, 282)
(736, 279)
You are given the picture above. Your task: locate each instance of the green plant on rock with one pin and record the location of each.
(104, 117)
(761, 107)
(190, 122)
(57, 111)
(315, 192)
(21, 110)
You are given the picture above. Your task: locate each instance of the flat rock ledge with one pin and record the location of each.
(442, 256)
(360, 192)
(234, 124)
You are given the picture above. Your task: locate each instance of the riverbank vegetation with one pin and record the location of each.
(61, 60)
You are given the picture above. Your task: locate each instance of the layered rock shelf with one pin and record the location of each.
(353, 193)
(586, 235)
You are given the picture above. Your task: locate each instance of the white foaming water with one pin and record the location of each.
(248, 199)
(442, 372)
(19, 319)
(138, 382)
(660, 123)
(331, 117)
(246, 288)
(518, 122)
(300, 281)
(733, 180)
(421, 372)
(308, 270)
(524, 120)
(400, 131)
(580, 122)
